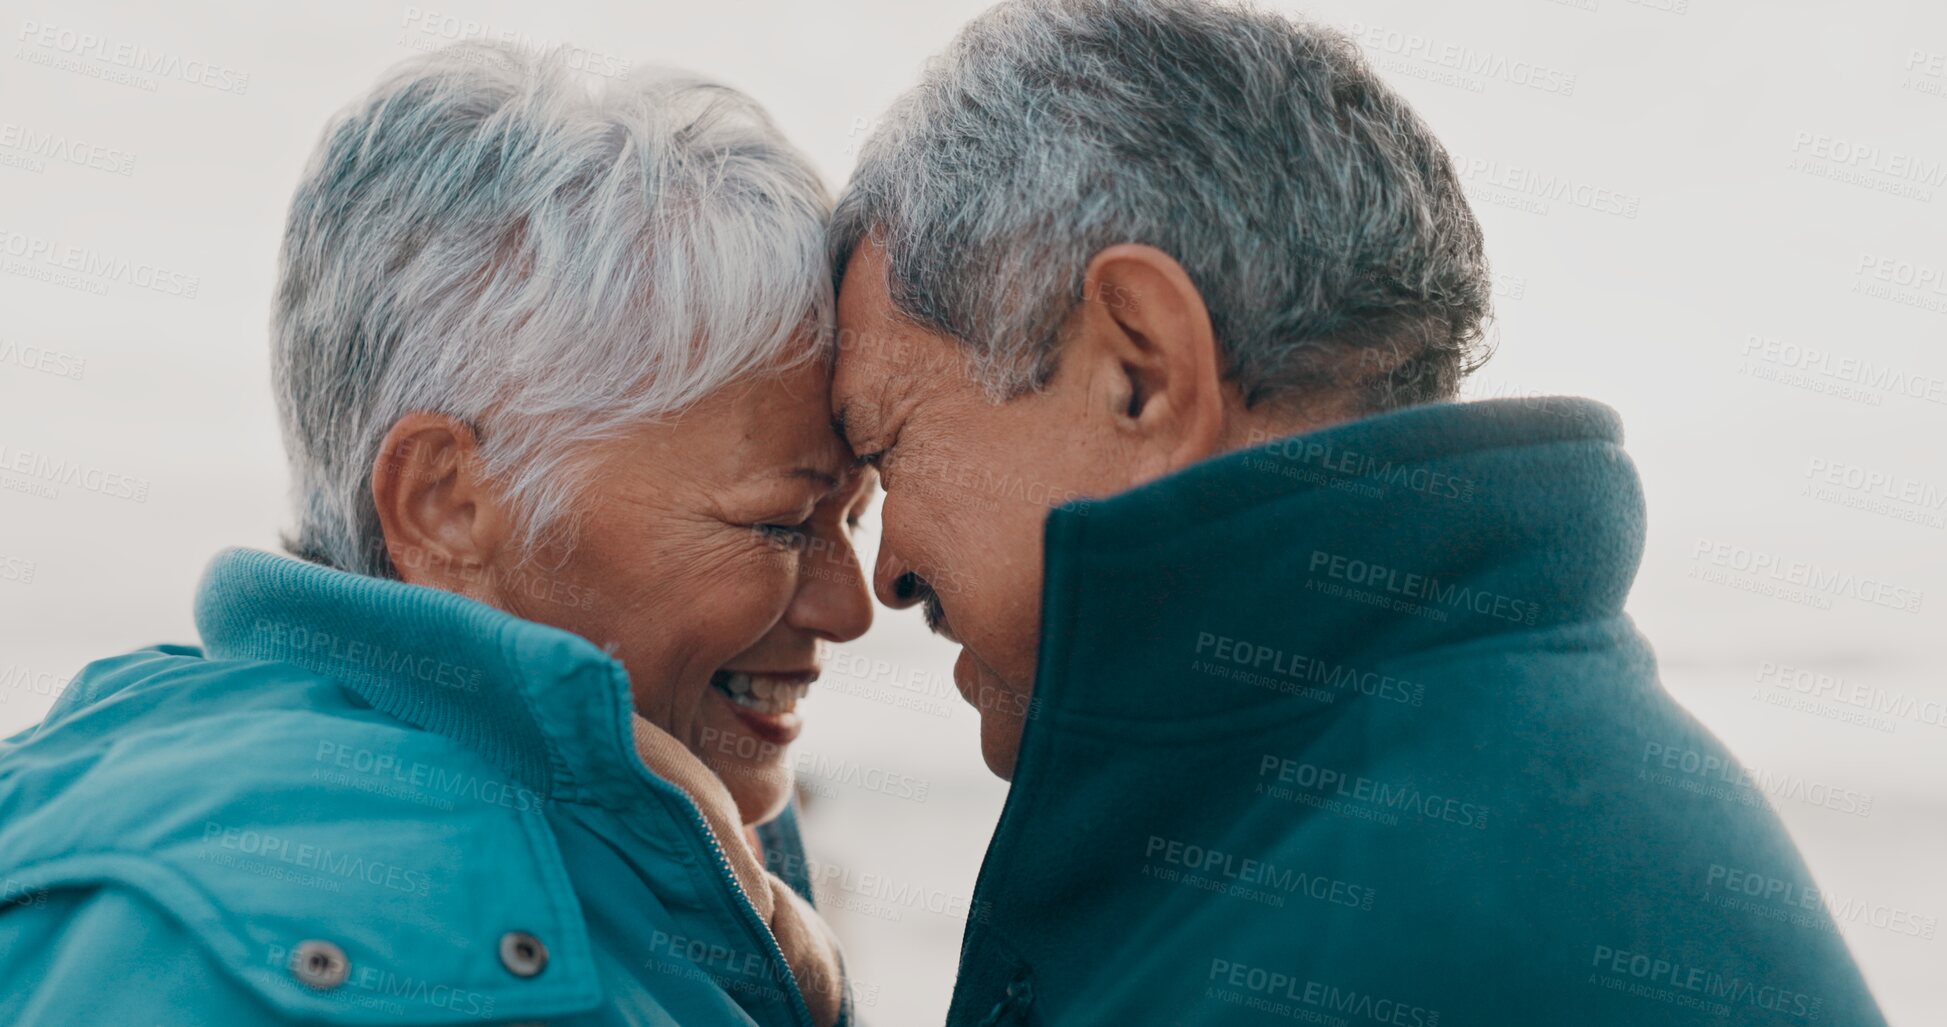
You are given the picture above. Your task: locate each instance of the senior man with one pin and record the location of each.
(1326, 708)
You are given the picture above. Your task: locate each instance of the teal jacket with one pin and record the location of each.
(364, 802)
(1350, 728)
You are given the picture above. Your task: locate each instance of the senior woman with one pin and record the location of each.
(552, 363)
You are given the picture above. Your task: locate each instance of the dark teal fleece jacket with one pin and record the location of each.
(1351, 728)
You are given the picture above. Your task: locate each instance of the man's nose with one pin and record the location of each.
(893, 581)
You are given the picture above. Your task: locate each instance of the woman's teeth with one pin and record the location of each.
(761, 692)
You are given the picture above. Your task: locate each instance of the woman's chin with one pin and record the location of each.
(748, 750)
(760, 790)
(762, 807)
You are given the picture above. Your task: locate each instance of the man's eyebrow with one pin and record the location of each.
(838, 425)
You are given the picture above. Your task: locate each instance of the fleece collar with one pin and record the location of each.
(1301, 564)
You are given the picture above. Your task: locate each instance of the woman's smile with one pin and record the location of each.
(765, 701)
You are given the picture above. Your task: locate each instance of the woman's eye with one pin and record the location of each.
(786, 534)
(880, 462)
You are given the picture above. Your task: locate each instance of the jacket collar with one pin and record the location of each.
(545, 705)
(1317, 558)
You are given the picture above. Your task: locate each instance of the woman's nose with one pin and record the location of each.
(832, 601)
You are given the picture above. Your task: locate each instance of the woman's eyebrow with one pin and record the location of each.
(822, 477)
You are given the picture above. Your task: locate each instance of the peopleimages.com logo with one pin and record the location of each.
(96, 55)
(89, 269)
(1680, 982)
(1805, 905)
(1717, 776)
(1470, 68)
(1422, 588)
(1292, 995)
(1168, 858)
(1717, 558)
(1330, 783)
(1299, 668)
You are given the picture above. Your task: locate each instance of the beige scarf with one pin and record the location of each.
(808, 944)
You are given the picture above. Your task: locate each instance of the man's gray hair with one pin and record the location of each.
(492, 236)
(1318, 217)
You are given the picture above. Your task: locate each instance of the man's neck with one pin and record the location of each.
(1246, 426)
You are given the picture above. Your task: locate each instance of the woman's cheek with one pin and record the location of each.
(737, 589)
(767, 585)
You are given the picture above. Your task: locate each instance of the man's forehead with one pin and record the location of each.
(864, 351)
(886, 363)
(871, 341)
(879, 374)
(859, 372)
(862, 402)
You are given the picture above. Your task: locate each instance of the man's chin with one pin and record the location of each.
(1000, 735)
(1000, 744)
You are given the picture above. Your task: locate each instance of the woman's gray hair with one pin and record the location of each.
(1319, 218)
(551, 259)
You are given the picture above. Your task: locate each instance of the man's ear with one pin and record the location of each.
(1155, 354)
(444, 525)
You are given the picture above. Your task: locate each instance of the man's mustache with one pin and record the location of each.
(912, 586)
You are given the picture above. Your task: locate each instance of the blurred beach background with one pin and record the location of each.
(1724, 220)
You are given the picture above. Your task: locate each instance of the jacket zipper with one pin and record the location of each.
(1062, 536)
(728, 877)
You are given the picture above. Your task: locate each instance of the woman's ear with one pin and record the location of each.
(1152, 342)
(444, 525)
